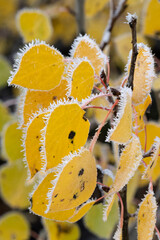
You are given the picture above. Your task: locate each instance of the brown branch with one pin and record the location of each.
(80, 16)
(115, 12)
(132, 20)
(123, 194)
(149, 152)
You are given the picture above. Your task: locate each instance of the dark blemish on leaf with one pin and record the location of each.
(82, 187)
(53, 65)
(62, 200)
(139, 220)
(56, 195)
(76, 87)
(36, 170)
(53, 156)
(70, 98)
(70, 172)
(140, 117)
(37, 116)
(71, 135)
(40, 148)
(42, 202)
(84, 118)
(75, 196)
(152, 164)
(72, 141)
(54, 97)
(143, 215)
(37, 136)
(119, 167)
(81, 172)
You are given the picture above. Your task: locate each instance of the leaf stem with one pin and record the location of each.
(94, 140)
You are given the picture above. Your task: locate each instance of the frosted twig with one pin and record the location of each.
(114, 15)
(132, 20)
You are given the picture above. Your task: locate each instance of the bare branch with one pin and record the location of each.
(123, 194)
(149, 152)
(80, 16)
(132, 20)
(115, 12)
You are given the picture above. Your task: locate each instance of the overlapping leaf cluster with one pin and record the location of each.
(57, 90)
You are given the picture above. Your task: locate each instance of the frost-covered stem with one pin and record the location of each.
(149, 152)
(94, 140)
(91, 99)
(80, 16)
(122, 210)
(114, 15)
(123, 194)
(132, 23)
(158, 233)
(97, 107)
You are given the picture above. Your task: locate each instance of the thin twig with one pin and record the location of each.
(149, 152)
(114, 15)
(94, 140)
(80, 16)
(132, 20)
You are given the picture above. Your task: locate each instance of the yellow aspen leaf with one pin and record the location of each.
(92, 7)
(122, 43)
(33, 145)
(39, 67)
(156, 83)
(149, 170)
(81, 211)
(110, 200)
(5, 115)
(14, 225)
(14, 189)
(32, 101)
(121, 131)
(66, 131)
(11, 142)
(80, 174)
(61, 231)
(128, 164)
(143, 75)
(151, 14)
(93, 221)
(81, 79)
(34, 24)
(140, 109)
(86, 47)
(152, 130)
(147, 217)
(39, 200)
(118, 233)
